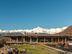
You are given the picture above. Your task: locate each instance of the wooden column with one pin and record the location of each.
(66, 44)
(30, 40)
(17, 40)
(51, 40)
(24, 39)
(62, 41)
(44, 40)
(10, 40)
(48, 40)
(58, 40)
(37, 40)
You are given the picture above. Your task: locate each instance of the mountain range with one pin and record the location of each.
(36, 30)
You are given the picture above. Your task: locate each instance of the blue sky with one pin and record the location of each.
(22, 14)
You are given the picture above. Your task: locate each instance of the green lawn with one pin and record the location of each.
(34, 49)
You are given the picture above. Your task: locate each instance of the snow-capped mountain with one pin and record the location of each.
(44, 30)
(36, 30)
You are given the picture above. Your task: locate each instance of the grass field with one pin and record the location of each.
(34, 49)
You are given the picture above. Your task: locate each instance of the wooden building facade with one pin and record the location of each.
(51, 40)
(61, 38)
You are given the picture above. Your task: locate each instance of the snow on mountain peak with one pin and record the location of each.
(37, 30)
(44, 30)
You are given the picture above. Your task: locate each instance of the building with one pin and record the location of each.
(3, 41)
(63, 38)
